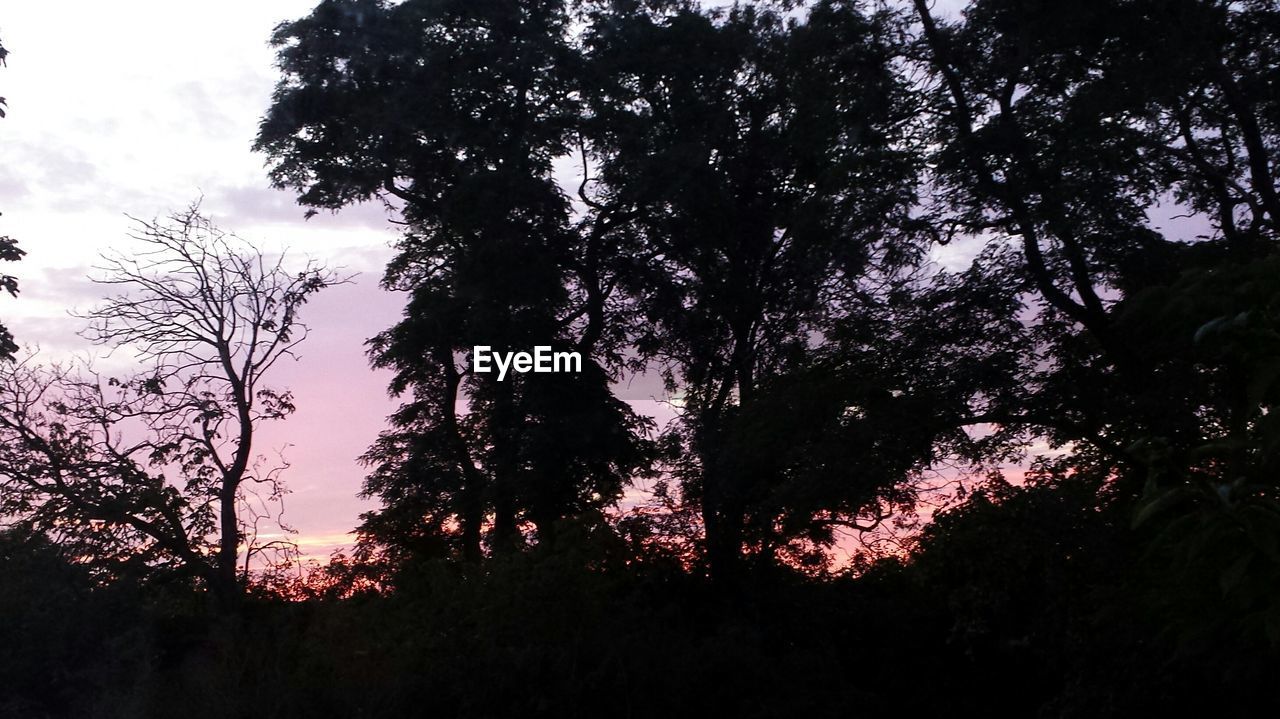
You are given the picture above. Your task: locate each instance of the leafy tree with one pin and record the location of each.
(1064, 129)
(746, 184)
(455, 111)
(151, 469)
(767, 169)
(71, 645)
(9, 252)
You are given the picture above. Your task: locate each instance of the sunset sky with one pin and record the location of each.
(139, 108)
(949, 328)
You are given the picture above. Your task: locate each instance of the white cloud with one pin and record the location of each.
(138, 108)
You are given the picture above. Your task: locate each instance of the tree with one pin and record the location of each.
(1063, 130)
(456, 110)
(152, 468)
(9, 252)
(768, 175)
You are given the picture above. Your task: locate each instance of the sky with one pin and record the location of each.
(140, 108)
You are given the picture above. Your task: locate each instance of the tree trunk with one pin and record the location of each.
(504, 469)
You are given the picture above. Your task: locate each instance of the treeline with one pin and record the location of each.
(747, 200)
(859, 241)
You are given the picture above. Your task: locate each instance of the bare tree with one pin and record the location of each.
(208, 316)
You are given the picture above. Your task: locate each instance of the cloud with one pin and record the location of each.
(47, 166)
(12, 186)
(67, 287)
(247, 205)
(209, 119)
(62, 175)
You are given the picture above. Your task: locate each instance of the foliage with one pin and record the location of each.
(870, 249)
(458, 116)
(151, 469)
(9, 252)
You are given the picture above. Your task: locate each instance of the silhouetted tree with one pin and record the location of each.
(455, 110)
(869, 247)
(770, 174)
(9, 252)
(1065, 128)
(72, 646)
(151, 468)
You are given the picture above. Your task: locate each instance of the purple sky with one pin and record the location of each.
(140, 108)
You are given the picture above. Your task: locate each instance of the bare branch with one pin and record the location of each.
(207, 315)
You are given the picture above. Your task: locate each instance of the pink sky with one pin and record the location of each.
(139, 108)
